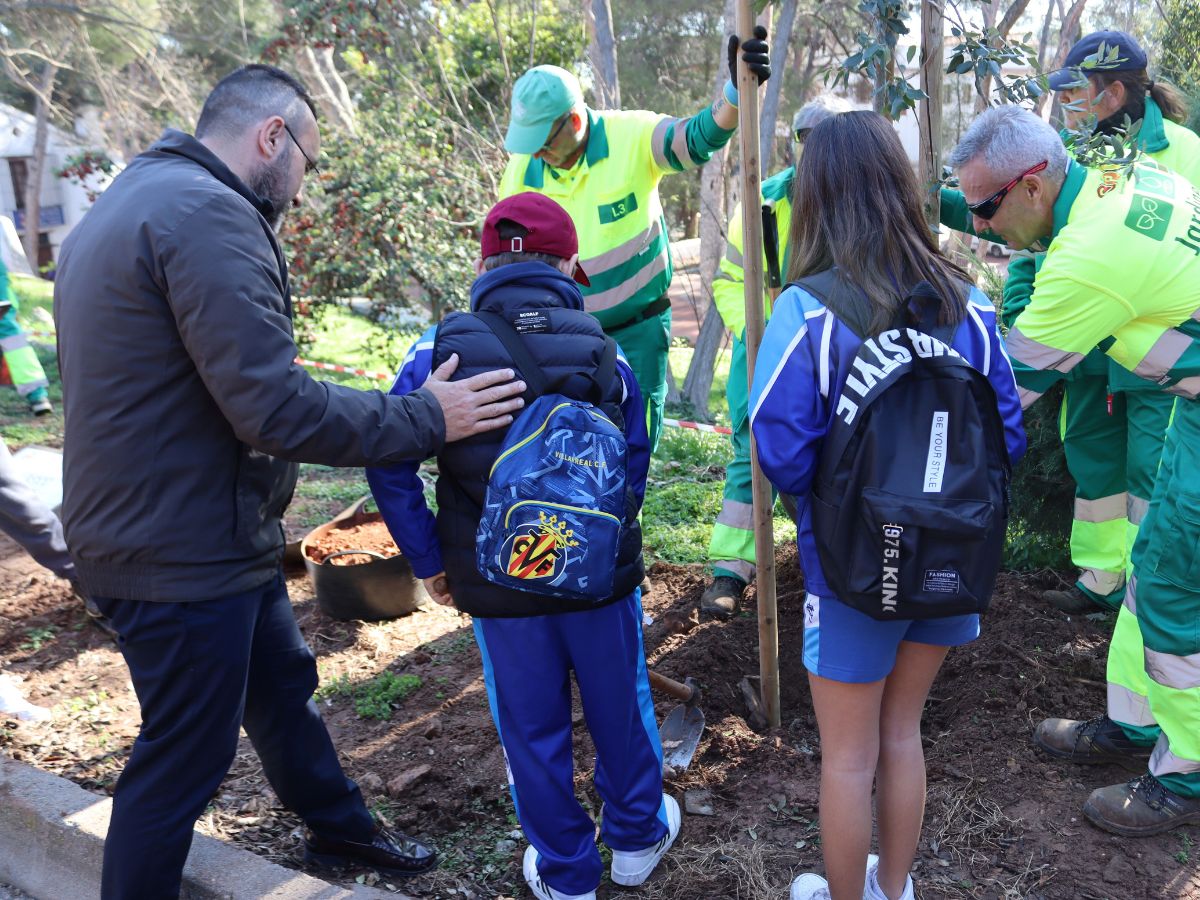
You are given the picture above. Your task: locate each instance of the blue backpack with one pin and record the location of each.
(555, 501)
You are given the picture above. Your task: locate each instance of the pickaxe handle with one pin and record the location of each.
(688, 692)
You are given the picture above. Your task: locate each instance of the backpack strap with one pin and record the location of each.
(844, 300)
(531, 371)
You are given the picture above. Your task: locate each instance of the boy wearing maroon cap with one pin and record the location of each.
(529, 274)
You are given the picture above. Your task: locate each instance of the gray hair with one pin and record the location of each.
(817, 110)
(1011, 139)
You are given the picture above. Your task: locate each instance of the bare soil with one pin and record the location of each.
(1000, 820)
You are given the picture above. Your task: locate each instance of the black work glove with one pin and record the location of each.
(755, 52)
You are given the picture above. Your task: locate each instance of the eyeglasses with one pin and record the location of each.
(988, 207)
(802, 134)
(554, 133)
(310, 164)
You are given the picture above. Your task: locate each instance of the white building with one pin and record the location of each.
(63, 202)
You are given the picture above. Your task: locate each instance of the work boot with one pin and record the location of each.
(723, 598)
(1096, 741)
(41, 407)
(1142, 807)
(1073, 600)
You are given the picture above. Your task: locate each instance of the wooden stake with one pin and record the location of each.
(752, 255)
(929, 111)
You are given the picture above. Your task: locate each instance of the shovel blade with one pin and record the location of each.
(680, 734)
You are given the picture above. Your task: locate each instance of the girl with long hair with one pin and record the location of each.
(858, 213)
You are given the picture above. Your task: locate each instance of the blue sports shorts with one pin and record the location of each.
(843, 644)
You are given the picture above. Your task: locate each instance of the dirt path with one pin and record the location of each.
(1001, 822)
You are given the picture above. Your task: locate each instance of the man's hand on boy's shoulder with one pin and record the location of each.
(439, 589)
(476, 404)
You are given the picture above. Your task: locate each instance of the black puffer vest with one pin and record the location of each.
(572, 342)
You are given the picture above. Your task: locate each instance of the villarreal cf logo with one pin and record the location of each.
(538, 550)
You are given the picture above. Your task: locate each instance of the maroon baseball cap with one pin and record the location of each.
(550, 229)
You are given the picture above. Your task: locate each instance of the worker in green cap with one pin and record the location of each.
(603, 167)
(731, 549)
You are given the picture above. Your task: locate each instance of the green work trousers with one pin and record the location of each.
(645, 345)
(1113, 456)
(1162, 605)
(25, 369)
(731, 548)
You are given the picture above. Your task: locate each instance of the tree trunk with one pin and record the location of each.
(602, 52)
(698, 381)
(930, 109)
(983, 87)
(1067, 36)
(37, 162)
(770, 107)
(328, 90)
(884, 75)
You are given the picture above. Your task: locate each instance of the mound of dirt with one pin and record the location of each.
(371, 536)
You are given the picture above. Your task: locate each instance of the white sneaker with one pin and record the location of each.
(540, 889)
(813, 887)
(632, 867)
(872, 890)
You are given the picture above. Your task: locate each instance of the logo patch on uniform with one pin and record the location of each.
(538, 550)
(1151, 182)
(1108, 179)
(618, 209)
(1149, 216)
(812, 611)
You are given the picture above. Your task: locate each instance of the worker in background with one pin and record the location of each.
(604, 167)
(24, 368)
(731, 548)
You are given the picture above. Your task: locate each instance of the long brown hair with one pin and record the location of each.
(856, 206)
(1169, 98)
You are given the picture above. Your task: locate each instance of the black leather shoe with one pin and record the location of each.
(390, 851)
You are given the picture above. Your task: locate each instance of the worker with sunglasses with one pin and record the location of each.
(731, 548)
(604, 167)
(1112, 423)
(1121, 272)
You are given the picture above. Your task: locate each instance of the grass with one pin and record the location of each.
(374, 698)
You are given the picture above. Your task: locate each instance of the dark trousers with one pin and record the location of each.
(202, 670)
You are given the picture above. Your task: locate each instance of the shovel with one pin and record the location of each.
(681, 729)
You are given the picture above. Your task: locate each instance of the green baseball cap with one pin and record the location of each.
(540, 97)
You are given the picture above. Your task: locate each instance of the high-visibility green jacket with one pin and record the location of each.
(1164, 141)
(611, 195)
(1123, 272)
(728, 286)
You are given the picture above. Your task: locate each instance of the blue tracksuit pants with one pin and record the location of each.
(527, 664)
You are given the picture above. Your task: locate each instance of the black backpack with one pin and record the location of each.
(910, 500)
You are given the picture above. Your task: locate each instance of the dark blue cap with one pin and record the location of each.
(1130, 58)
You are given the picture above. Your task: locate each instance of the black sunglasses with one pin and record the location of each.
(554, 133)
(310, 164)
(988, 207)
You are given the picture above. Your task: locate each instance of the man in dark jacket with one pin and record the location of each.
(530, 642)
(185, 419)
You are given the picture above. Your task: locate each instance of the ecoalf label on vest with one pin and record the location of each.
(935, 460)
(531, 321)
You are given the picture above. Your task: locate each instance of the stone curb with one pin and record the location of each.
(52, 845)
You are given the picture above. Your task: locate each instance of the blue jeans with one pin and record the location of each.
(201, 671)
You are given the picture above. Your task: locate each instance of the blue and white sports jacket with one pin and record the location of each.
(801, 369)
